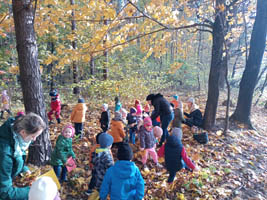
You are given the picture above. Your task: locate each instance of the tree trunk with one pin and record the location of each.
(92, 65)
(76, 89)
(250, 75)
(105, 70)
(30, 76)
(216, 64)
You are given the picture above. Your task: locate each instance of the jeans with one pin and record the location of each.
(78, 128)
(165, 121)
(61, 172)
(132, 136)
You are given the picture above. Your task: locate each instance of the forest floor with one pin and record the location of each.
(232, 166)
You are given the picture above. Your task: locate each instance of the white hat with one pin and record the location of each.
(105, 106)
(43, 188)
(191, 100)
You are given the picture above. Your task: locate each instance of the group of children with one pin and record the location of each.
(123, 179)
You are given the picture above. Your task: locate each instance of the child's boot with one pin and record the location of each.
(58, 120)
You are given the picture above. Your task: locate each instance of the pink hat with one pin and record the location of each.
(147, 121)
(69, 126)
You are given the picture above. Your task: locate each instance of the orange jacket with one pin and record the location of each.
(175, 103)
(78, 113)
(117, 131)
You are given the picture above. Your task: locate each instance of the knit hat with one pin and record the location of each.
(123, 112)
(105, 106)
(69, 126)
(53, 93)
(191, 100)
(118, 116)
(176, 97)
(125, 152)
(157, 131)
(147, 121)
(132, 110)
(20, 113)
(105, 140)
(43, 188)
(150, 97)
(80, 100)
(177, 132)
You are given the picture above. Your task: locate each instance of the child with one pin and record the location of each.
(44, 188)
(63, 151)
(146, 110)
(5, 104)
(175, 101)
(55, 106)
(117, 104)
(195, 116)
(117, 129)
(157, 133)
(175, 157)
(124, 115)
(105, 117)
(132, 122)
(139, 110)
(101, 159)
(78, 116)
(123, 180)
(148, 141)
(177, 122)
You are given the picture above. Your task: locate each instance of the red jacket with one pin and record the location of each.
(55, 103)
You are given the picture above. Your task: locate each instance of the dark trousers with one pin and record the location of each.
(61, 172)
(104, 127)
(172, 174)
(92, 183)
(165, 121)
(78, 128)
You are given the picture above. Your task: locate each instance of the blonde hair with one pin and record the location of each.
(30, 122)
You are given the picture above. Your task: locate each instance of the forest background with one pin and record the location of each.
(99, 49)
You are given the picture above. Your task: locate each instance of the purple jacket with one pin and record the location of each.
(147, 138)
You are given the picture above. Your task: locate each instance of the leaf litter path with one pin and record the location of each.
(232, 167)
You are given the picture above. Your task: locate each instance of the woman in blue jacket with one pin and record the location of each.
(123, 180)
(15, 138)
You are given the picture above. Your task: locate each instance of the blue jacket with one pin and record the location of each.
(10, 165)
(123, 181)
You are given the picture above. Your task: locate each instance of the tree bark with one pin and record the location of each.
(215, 68)
(30, 76)
(250, 75)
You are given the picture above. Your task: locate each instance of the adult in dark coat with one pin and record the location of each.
(163, 109)
(194, 118)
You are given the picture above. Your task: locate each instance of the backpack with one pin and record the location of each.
(201, 138)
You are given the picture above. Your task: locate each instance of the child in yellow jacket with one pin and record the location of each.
(78, 116)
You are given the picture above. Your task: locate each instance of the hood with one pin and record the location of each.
(80, 106)
(176, 112)
(156, 97)
(116, 123)
(173, 141)
(5, 129)
(125, 169)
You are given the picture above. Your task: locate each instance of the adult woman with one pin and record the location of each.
(15, 137)
(163, 109)
(194, 118)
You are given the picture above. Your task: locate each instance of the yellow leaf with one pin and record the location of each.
(180, 196)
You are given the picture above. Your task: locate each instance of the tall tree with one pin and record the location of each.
(249, 79)
(30, 75)
(218, 34)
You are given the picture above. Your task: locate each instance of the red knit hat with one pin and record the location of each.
(147, 122)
